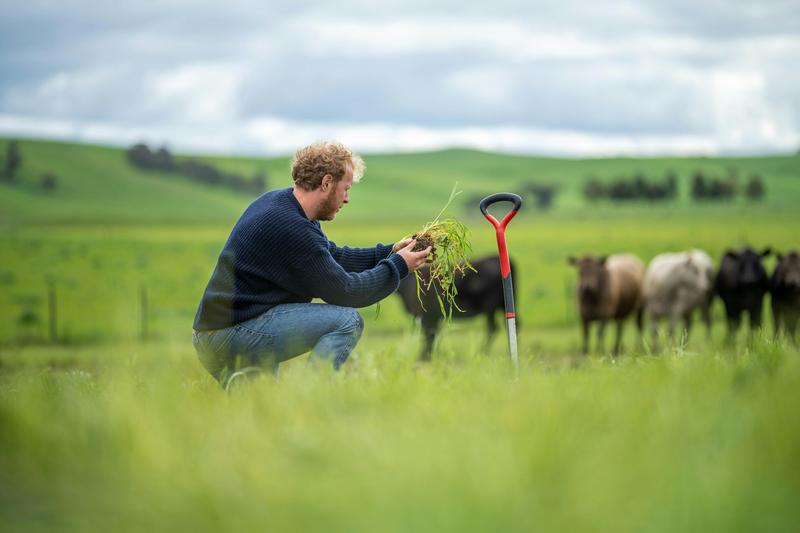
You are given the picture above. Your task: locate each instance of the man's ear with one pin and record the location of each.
(327, 181)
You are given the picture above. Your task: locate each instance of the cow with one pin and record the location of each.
(741, 284)
(675, 285)
(609, 288)
(785, 292)
(479, 293)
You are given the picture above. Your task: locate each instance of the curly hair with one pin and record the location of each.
(312, 163)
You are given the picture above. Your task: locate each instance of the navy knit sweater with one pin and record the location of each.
(276, 255)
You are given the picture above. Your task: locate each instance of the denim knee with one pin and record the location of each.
(354, 321)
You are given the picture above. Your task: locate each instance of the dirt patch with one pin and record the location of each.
(423, 241)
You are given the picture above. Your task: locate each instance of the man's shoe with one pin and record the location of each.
(244, 375)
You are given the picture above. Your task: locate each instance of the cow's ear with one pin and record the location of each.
(572, 260)
(779, 256)
(730, 253)
(602, 260)
(766, 251)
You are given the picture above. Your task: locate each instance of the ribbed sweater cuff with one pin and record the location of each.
(383, 250)
(400, 265)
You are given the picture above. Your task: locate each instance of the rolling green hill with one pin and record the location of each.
(97, 184)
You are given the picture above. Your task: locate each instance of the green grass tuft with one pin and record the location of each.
(451, 249)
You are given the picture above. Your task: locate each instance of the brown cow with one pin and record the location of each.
(785, 289)
(610, 288)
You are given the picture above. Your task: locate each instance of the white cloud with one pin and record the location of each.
(64, 93)
(618, 77)
(197, 93)
(487, 86)
(279, 137)
(354, 37)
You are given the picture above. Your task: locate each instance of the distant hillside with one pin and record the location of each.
(97, 184)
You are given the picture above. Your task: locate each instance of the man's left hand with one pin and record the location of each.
(402, 243)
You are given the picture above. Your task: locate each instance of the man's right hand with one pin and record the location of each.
(413, 260)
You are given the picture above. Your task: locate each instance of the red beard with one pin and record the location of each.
(328, 208)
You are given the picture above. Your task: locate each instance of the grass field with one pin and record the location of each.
(103, 430)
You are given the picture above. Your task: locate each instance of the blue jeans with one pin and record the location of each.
(330, 332)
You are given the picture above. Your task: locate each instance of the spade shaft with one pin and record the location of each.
(505, 264)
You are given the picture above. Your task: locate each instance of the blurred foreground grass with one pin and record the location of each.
(133, 437)
(101, 432)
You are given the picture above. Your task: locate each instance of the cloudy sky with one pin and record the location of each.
(566, 78)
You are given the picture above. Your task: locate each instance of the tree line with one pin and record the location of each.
(161, 160)
(536, 194)
(12, 162)
(702, 187)
(711, 188)
(637, 187)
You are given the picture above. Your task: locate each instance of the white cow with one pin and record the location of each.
(674, 286)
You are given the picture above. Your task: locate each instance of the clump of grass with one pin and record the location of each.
(450, 247)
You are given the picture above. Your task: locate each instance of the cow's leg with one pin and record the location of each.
(427, 347)
(640, 329)
(687, 324)
(734, 319)
(586, 331)
(674, 318)
(618, 337)
(756, 318)
(601, 334)
(790, 320)
(429, 328)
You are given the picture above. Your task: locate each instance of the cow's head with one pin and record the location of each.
(749, 269)
(692, 273)
(788, 269)
(591, 275)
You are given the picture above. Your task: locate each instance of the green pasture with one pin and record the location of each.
(101, 429)
(98, 273)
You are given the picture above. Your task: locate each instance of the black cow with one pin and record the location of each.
(741, 284)
(785, 289)
(479, 293)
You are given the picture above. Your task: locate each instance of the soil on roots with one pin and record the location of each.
(423, 241)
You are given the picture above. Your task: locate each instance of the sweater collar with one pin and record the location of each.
(290, 194)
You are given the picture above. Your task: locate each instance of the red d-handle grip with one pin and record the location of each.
(501, 197)
(500, 227)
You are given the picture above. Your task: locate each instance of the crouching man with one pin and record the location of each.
(256, 311)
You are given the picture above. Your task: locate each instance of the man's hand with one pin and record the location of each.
(402, 243)
(413, 260)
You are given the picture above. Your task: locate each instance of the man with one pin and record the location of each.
(256, 310)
